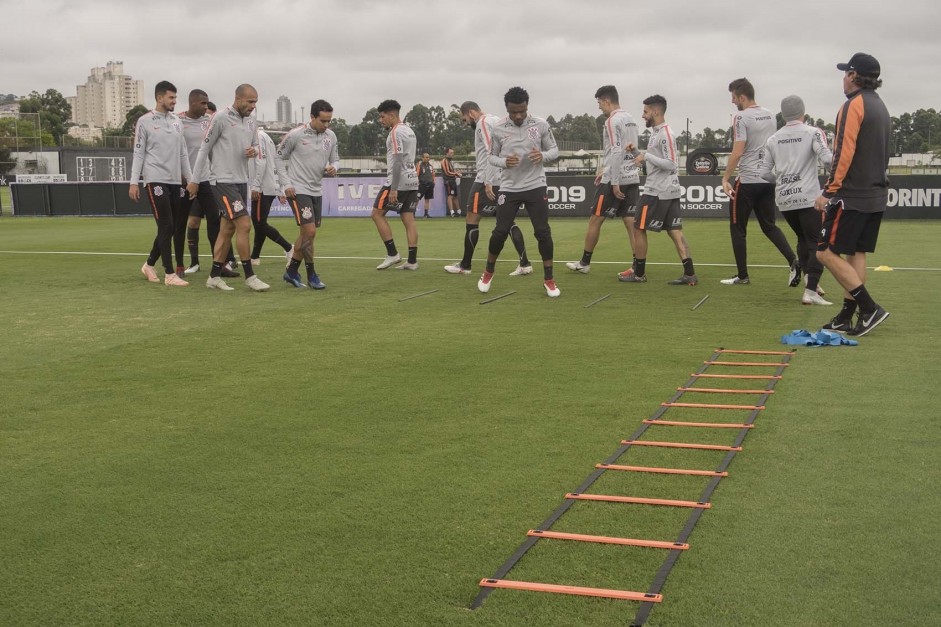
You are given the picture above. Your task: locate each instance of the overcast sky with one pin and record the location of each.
(356, 53)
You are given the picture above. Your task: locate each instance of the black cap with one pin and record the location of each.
(863, 64)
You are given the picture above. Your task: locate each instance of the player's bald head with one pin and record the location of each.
(244, 90)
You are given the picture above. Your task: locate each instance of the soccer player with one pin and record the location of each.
(223, 159)
(400, 193)
(311, 153)
(617, 181)
(160, 159)
(195, 121)
(268, 181)
(484, 192)
(659, 206)
(855, 196)
(792, 153)
(452, 179)
(751, 128)
(521, 144)
(426, 181)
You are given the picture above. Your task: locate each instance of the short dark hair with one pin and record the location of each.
(198, 93)
(516, 95)
(867, 82)
(320, 105)
(657, 101)
(469, 105)
(211, 106)
(608, 92)
(389, 105)
(163, 87)
(742, 87)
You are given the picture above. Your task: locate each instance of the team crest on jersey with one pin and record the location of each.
(533, 133)
(307, 213)
(237, 206)
(326, 144)
(158, 191)
(501, 199)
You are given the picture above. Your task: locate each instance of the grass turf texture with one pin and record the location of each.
(187, 456)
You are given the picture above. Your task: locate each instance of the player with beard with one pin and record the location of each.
(659, 206)
(160, 160)
(223, 159)
(484, 192)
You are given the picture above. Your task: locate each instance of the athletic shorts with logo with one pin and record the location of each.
(478, 202)
(194, 207)
(450, 187)
(847, 231)
(654, 214)
(307, 209)
(426, 191)
(408, 200)
(232, 199)
(607, 204)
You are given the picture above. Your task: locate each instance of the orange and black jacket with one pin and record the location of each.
(860, 148)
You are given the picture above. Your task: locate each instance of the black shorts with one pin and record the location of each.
(307, 209)
(477, 201)
(408, 201)
(426, 190)
(654, 214)
(450, 187)
(233, 199)
(608, 205)
(847, 232)
(195, 206)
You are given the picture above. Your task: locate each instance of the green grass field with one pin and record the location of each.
(184, 456)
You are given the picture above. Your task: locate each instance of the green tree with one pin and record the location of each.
(368, 138)
(22, 134)
(342, 130)
(53, 109)
(130, 120)
(7, 99)
(422, 121)
(450, 131)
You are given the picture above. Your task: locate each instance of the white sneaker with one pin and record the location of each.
(735, 281)
(256, 284)
(551, 288)
(484, 283)
(216, 283)
(256, 261)
(819, 289)
(193, 269)
(456, 269)
(408, 266)
(150, 273)
(521, 270)
(388, 262)
(578, 267)
(811, 297)
(289, 254)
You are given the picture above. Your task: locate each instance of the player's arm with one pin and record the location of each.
(767, 164)
(739, 134)
(201, 168)
(334, 162)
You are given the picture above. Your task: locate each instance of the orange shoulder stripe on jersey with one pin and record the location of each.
(849, 121)
(394, 143)
(666, 129)
(486, 133)
(609, 124)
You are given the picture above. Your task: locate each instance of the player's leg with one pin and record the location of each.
(765, 208)
(380, 207)
(409, 202)
(739, 211)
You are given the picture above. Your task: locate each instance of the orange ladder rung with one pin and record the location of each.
(773, 364)
(650, 544)
(737, 376)
(724, 391)
(705, 447)
(636, 500)
(734, 352)
(711, 406)
(624, 595)
(713, 425)
(663, 471)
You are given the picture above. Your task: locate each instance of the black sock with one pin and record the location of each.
(849, 308)
(391, 250)
(586, 257)
(471, 236)
(192, 242)
(547, 272)
(294, 266)
(491, 266)
(641, 267)
(688, 267)
(216, 269)
(247, 266)
(813, 280)
(863, 299)
(634, 263)
(413, 254)
(310, 268)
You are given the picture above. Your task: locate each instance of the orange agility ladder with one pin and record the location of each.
(647, 600)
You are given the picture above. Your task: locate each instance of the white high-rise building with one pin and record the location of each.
(106, 97)
(283, 108)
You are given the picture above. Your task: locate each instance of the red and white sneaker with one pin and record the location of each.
(484, 283)
(150, 273)
(551, 288)
(627, 274)
(173, 279)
